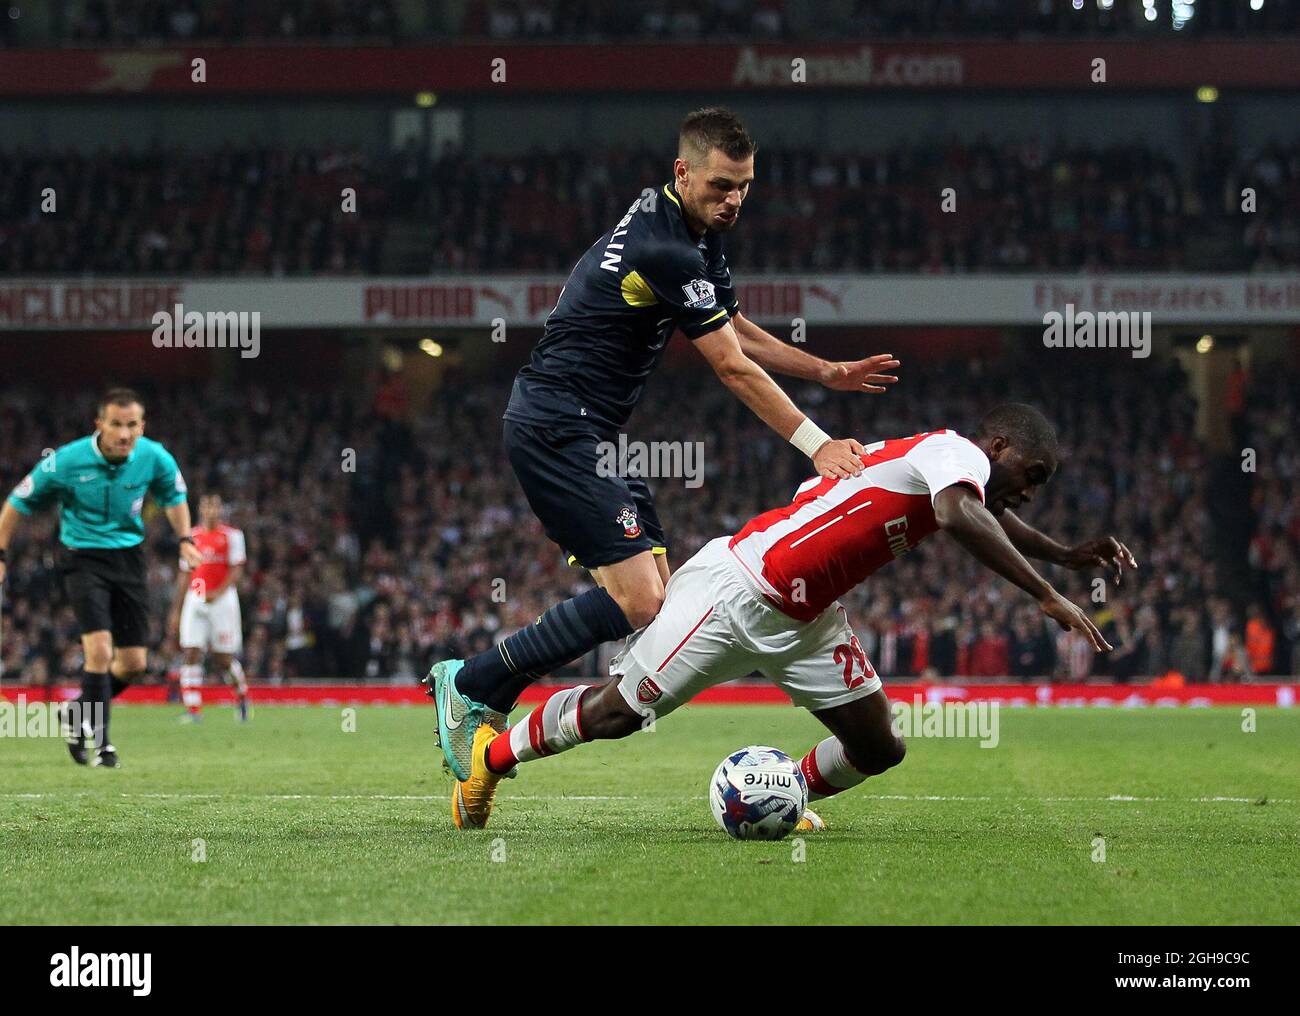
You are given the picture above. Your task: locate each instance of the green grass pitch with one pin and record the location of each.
(302, 822)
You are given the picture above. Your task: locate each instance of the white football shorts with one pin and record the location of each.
(214, 626)
(715, 626)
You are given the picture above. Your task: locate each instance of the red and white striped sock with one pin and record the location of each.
(828, 771)
(192, 687)
(549, 729)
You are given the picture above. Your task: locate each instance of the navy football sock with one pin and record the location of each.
(565, 632)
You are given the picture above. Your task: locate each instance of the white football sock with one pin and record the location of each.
(828, 771)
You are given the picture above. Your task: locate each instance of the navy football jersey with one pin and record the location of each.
(645, 278)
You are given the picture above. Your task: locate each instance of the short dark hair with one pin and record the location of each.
(1028, 430)
(120, 397)
(714, 127)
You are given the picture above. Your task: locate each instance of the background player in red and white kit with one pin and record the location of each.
(766, 598)
(205, 610)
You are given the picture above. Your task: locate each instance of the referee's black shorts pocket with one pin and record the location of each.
(585, 507)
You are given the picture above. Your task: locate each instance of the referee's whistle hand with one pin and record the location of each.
(838, 460)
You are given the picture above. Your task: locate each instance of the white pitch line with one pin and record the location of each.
(306, 797)
(1111, 799)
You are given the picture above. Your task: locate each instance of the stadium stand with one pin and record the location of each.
(1026, 207)
(372, 575)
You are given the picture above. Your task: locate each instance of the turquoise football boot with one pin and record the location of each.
(458, 717)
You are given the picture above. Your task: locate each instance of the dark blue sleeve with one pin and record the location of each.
(680, 280)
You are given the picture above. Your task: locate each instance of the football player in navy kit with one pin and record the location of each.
(660, 269)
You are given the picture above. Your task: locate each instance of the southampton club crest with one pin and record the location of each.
(627, 519)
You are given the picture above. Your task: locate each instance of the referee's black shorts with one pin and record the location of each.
(108, 590)
(596, 519)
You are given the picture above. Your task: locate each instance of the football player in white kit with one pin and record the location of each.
(205, 610)
(766, 600)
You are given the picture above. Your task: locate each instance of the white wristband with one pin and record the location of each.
(808, 437)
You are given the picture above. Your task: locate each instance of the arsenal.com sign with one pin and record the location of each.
(464, 69)
(525, 300)
(854, 69)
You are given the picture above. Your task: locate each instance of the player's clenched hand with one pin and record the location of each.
(1068, 616)
(838, 460)
(862, 375)
(1106, 552)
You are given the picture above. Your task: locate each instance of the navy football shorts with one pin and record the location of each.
(596, 520)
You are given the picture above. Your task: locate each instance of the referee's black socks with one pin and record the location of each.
(565, 632)
(96, 692)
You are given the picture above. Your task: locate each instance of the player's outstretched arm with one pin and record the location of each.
(960, 514)
(751, 384)
(772, 354)
(1106, 552)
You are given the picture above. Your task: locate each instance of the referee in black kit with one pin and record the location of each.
(99, 483)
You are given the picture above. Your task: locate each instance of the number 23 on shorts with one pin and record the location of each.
(847, 654)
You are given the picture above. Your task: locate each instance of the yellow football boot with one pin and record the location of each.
(471, 800)
(811, 822)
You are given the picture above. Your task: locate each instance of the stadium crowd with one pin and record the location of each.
(132, 22)
(1020, 206)
(255, 211)
(428, 549)
(1023, 205)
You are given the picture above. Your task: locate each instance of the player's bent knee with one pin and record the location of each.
(606, 716)
(873, 757)
(641, 606)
